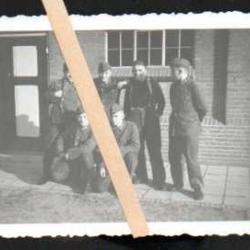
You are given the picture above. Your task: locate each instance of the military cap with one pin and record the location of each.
(116, 108)
(103, 66)
(181, 62)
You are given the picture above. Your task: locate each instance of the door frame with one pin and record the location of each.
(42, 86)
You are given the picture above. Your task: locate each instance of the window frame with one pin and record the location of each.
(135, 47)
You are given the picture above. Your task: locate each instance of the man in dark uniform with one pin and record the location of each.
(144, 104)
(188, 110)
(106, 86)
(127, 137)
(63, 102)
(76, 145)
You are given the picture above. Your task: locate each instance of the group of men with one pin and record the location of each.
(73, 155)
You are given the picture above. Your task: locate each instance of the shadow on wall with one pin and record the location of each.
(221, 41)
(25, 127)
(24, 165)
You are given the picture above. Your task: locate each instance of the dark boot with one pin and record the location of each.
(198, 193)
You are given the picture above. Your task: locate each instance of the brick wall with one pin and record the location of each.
(238, 96)
(93, 45)
(204, 62)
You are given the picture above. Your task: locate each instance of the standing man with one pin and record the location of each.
(128, 140)
(63, 102)
(63, 105)
(188, 110)
(106, 86)
(144, 104)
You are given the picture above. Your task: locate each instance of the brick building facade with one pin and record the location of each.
(221, 59)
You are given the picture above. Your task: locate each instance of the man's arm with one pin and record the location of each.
(198, 101)
(134, 141)
(89, 145)
(171, 94)
(54, 92)
(59, 146)
(160, 99)
(127, 101)
(72, 151)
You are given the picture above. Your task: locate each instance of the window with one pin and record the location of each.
(149, 47)
(25, 61)
(154, 48)
(27, 111)
(120, 48)
(178, 44)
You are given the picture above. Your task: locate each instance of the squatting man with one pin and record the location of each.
(127, 137)
(71, 155)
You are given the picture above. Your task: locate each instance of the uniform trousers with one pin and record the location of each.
(104, 183)
(187, 146)
(83, 171)
(151, 134)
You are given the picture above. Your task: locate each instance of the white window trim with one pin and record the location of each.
(135, 45)
(106, 46)
(163, 63)
(149, 47)
(120, 48)
(179, 43)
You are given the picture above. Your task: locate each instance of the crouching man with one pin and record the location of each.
(127, 137)
(188, 111)
(75, 146)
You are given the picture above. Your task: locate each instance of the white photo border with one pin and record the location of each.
(206, 20)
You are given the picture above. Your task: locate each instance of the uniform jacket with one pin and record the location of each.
(69, 102)
(147, 94)
(127, 138)
(141, 98)
(108, 93)
(188, 108)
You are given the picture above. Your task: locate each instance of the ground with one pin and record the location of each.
(25, 205)
(227, 192)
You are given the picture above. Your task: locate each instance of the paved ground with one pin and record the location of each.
(224, 186)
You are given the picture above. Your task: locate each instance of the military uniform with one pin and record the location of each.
(62, 110)
(188, 110)
(144, 104)
(79, 146)
(128, 141)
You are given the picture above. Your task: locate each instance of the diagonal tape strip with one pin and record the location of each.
(102, 131)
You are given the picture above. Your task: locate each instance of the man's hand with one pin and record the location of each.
(66, 156)
(121, 84)
(160, 117)
(58, 93)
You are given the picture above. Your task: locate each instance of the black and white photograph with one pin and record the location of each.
(178, 103)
